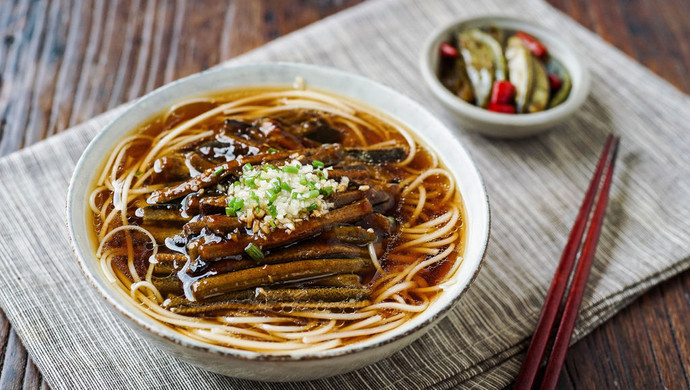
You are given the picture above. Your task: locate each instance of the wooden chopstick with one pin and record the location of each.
(545, 324)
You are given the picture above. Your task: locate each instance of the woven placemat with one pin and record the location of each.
(535, 186)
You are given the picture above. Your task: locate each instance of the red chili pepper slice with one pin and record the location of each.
(448, 51)
(502, 92)
(502, 108)
(554, 82)
(533, 44)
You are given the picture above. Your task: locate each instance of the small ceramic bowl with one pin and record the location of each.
(300, 366)
(507, 125)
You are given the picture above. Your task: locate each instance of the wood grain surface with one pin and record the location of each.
(64, 61)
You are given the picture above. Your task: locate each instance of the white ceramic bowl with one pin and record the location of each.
(506, 125)
(258, 366)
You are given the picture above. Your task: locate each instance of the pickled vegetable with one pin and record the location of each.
(540, 89)
(559, 95)
(484, 62)
(521, 71)
(454, 77)
(503, 71)
(533, 44)
(503, 92)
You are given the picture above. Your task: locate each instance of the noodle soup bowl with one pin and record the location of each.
(294, 366)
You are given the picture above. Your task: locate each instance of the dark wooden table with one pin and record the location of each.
(64, 61)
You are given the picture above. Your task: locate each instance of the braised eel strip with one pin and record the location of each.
(218, 224)
(378, 155)
(313, 249)
(229, 307)
(276, 273)
(276, 238)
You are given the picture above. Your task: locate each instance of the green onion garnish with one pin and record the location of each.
(303, 179)
(272, 150)
(327, 191)
(285, 186)
(312, 207)
(271, 195)
(230, 211)
(254, 252)
(237, 203)
(236, 183)
(273, 224)
(272, 210)
(311, 185)
(218, 171)
(252, 196)
(290, 169)
(249, 182)
(268, 167)
(295, 195)
(317, 164)
(277, 185)
(311, 194)
(138, 173)
(247, 167)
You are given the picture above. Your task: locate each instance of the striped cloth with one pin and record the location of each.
(535, 186)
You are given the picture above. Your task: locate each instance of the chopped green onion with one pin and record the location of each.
(311, 185)
(268, 167)
(138, 173)
(285, 186)
(295, 195)
(303, 179)
(327, 191)
(317, 164)
(271, 195)
(311, 194)
(237, 203)
(391, 220)
(273, 224)
(254, 252)
(252, 196)
(290, 169)
(272, 210)
(247, 167)
(277, 185)
(257, 209)
(236, 183)
(218, 171)
(234, 206)
(272, 150)
(312, 207)
(249, 182)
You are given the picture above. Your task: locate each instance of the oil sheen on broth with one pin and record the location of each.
(276, 220)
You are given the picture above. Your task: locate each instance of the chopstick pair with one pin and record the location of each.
(537, 348)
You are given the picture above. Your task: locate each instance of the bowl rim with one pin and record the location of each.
(169, 335)
(576, 98)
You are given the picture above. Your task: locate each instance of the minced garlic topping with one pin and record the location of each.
(269, 197)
